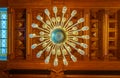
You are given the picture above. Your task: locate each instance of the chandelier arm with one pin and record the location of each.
(81, 44)
(65, 45)
(56, 59)
(68, 21)
(83, 36)
(43, 29)
(82, 29)
(72, 26)
(74, 59)
(64, 58)
(78, 50)
(52, 24)
(48, 57)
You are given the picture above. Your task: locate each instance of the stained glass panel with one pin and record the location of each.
(3, 33)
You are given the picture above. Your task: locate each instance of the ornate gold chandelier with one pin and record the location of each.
(58, 36)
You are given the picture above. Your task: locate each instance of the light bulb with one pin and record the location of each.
(34, 25)
(47, 12)
(81, 20)
(38, 55)
(39, 18)
(34, 46)
(85, 28)
(85, 36)
(55, 62)
(47, 59)
(32, 35)
(84, 45)
(74, 12)
(64, 9)
(65, 62)
(81, 51)
(74, 59)
(55, 9)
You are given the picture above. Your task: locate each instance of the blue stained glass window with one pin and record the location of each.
(3, 34)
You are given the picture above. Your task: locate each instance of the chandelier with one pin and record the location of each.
(59, 35)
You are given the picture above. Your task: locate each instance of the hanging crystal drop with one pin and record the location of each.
(34, 25)
(64, 9)
(55, 62)
(47, 12)
(55, 9)
(33, 46)
(84, 45)
(81, 51)
(65, 62)
(74, 12)
(47, 59)
(85, 28)
(38, 55)
(32, 35)
(39, 18)
(81, 20)
(74, 59)
(85, 36)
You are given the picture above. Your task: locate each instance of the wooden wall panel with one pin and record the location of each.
(3, 3)
(100, 56)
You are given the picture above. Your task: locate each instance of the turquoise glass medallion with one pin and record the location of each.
(58, 36)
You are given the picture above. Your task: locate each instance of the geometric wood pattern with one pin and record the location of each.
(103, 53)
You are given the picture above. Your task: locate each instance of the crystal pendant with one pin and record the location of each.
(85, 28)
(81, 51)
(74, 12)
(34, 25)
(47, 59)
(74, 59)
(47, 12)
(85, 36)
(38, 55)
(34, 46)
(55, 9)
(39, 18)
(64, 9)
(32, 35)
(65, 62)
(84, 45)
(81, 20)
(55, 62)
